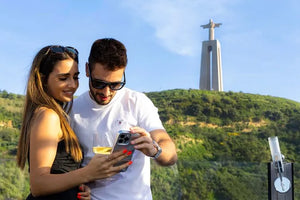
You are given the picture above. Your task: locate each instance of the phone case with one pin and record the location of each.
(123, 142)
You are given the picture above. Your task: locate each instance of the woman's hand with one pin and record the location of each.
(101, 166)
(85, 192)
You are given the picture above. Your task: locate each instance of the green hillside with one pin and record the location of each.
(229, 126)
(221, 139)
(10, 122)
(13, 182)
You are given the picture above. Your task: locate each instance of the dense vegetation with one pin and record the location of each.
(222, 141)
(13, 182)
(221, 137)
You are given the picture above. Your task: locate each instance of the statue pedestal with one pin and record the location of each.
(211, 66)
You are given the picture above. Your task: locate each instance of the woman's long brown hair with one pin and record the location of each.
(37, 97)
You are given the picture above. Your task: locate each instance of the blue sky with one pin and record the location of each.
(260, 40)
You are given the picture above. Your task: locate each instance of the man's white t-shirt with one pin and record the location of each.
(128, 108)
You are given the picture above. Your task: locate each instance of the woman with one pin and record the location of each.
(47, 141)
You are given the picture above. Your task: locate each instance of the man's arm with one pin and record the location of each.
(168, 155)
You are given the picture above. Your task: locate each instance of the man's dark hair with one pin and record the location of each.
(108, 52)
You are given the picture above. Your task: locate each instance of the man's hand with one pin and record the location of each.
(144, 142)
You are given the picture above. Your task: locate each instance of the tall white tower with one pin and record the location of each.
(211, 65)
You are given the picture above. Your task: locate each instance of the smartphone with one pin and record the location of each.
(123, 142)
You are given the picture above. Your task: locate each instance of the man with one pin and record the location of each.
(109, 107)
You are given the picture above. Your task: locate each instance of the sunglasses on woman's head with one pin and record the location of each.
(62, 49)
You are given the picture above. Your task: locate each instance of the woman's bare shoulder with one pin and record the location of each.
(46, 122)
(44, 112)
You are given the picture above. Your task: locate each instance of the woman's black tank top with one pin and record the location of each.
(63, 163)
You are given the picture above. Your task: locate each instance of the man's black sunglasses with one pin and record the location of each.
(99, 84)
(62, 49)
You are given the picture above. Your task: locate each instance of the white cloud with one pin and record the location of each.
(177, 22)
